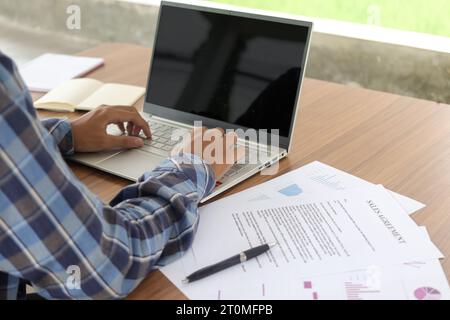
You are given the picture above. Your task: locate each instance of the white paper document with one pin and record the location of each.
(316, 178)
(408, 281)
(317, 234)
(49, 70)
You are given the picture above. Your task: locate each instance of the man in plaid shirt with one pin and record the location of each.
(50, 222)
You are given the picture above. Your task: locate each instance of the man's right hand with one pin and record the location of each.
(216, 148)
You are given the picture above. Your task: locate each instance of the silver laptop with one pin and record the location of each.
(226, 68)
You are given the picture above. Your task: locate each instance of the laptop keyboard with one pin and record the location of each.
(162, 143)
(162, 134)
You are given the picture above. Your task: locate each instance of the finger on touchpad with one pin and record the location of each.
(93, 158)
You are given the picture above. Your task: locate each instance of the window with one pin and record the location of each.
(424, 16)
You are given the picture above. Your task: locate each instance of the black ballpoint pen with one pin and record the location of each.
(230, 262)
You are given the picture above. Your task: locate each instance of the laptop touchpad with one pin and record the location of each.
(131, 164)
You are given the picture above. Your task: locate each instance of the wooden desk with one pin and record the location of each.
(400, 142)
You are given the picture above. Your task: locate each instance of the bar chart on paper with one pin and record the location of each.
(308, 286)
(356, 285)
(330, 180)
(359, 291)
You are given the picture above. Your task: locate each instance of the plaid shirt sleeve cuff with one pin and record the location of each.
(196, 169)
(193, 167)
(61, 131)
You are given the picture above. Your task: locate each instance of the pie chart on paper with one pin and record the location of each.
(427, 293)
(291, 191)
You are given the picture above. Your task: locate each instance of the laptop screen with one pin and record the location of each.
(240, 72)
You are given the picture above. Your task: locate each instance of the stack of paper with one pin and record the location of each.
(338, 237)
(49, 70)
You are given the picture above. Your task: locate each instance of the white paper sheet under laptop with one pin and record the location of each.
(330, 232)
(315, 177)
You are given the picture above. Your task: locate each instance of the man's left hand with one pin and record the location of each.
(89, 131)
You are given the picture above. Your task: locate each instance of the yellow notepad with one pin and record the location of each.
(88, 94)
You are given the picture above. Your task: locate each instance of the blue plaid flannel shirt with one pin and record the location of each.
(51, 225)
